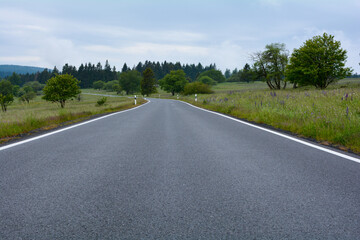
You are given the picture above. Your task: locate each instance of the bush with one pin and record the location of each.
(207, 80)
(197, 87)
(101, 101)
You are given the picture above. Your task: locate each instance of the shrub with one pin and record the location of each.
(101, 101)
(197, 87)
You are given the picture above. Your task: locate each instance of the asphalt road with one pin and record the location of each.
(169, 171)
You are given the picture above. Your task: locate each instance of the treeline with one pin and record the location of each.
(89, 73)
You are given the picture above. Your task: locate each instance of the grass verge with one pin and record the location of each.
(331, 116)
(23, 119)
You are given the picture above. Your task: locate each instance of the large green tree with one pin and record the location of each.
(174, 82)
(270, 65)
(213, 74)
(320, 61)
(130, 81)
(61, 88)
(6, 94)
(148, 82)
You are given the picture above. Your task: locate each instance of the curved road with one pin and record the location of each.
(167, 170)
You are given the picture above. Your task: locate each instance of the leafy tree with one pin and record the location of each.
(98, 84)
(26, 94)
(207, 80)
(6, 94)
(61, 88)
(174, 82)
(111, 86)
(130, 81)
(148, 82)
(320, 61)
(197, 87)
(270, 65)
(213, 74)
(35, 85)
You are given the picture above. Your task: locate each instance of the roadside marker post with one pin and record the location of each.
(195, 97)
(135, 99)
(178, 96)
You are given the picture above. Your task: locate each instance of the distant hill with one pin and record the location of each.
(7, 70)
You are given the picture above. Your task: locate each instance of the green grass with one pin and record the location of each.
(22, 118)
(330, 116)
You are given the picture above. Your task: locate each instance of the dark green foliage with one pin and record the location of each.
(6, 94)
(61, 88)
(148, 82)
(246, 75)
(98, 85)
(227, 73)
(101, 101)
(213, 74)
(270, 65)
(130, 81)
(320, 61)
(174, 82)
(207, 80)
(197, 88)
(15, 79)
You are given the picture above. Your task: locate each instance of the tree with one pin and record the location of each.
(197, 87)
(6, 94)
(320, 61)
(207, 80)
(270, 65)
(15, 79)
(227, 73)
(61, 88)
(174, 82)
(130, 81)
(98, 84)
(246, 74)
(26, 94)
(213, 74)
(148, 82)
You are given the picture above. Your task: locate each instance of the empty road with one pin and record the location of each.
(167, 170)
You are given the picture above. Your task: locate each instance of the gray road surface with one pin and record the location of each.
(170, 171)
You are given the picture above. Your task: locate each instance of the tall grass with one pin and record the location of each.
(330, 116)
(23, 118)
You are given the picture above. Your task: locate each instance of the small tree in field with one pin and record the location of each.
(319, 62)
(270, 65)
(148, 82)
(61, 88)
(174, 82)
(6, 96)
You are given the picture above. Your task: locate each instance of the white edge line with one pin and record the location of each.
(280, 134)
(67, 128)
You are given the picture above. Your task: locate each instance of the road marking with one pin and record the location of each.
(67, 128)
(281, 135)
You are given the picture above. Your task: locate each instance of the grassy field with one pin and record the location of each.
(22, 117)
(330, 116)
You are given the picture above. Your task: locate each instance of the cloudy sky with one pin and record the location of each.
(46, 33)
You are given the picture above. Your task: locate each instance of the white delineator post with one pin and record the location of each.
(195, 97)
(178, 96)
(135, 99)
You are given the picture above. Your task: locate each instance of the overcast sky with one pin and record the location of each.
(46, 33)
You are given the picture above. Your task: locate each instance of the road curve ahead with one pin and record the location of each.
(169, 171)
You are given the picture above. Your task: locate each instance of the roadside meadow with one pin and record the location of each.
(22, 118)
(330, 116)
